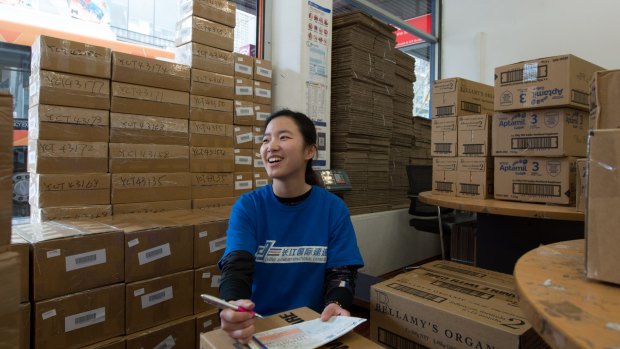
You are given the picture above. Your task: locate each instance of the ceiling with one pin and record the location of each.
(403, 9)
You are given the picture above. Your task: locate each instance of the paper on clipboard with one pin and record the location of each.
(305, 335)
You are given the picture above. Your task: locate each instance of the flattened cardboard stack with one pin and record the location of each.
(363, 108)
(68, 134)
(421, 150)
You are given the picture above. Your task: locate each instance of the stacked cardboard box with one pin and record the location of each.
(540, 127)
(460, 138)
(6, 167)
(363, 108)
(68, 133)
(421, 150)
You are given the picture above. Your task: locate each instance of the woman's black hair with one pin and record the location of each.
(308, 131)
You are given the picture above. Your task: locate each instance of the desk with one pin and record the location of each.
(565, 308)
(507, 229)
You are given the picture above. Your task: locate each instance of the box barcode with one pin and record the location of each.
(417, 293)
(243, 184)
(261, 182)
(395, 341)
(471, 107)
(446, 110)
(86, 259)
(82, 319)
(443, 147)
(154, 253)
(579, 97)
(535, 143)
(264, 72)
(461, 289)
(243, 160)
(157, 296)
(443, 186)
(221, 243)
(472, 189)
(243, 68)
(517, 74)
(244, 138)
(262, 116)
(472, 148)
(536, 189)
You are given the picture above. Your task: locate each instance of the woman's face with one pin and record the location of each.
(283, 150)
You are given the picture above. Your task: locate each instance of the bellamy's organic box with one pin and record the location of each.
(220, 11)
(244, 160)
(542, 132)
(604, 103)
(458, 97)
(146, 100)
(444, 136)
(243, 182)
(209, 109)
(212, 185)
(244, 66)
(52, 122)
(535, 179)
(475, 177)
(244, 113)
(209, 242)
(262, 70)
(145, 158)
(208, 134)
(150, 72)
(206, 83)
(206, 58)
(175, 334)
(244, 89)
(474, 135)
(206, 280)
(445, 176)
(54, 88)
(50, 190)
(144, 129)
(68, 56)
(211, 159)
(262, 112)
(244, 137)
(261, 179)
(442, 310)
(145, 187)
(67, 156)
(262, 92)
(559, 81)
(204, 31)
(64, 257)
(602, 242)
(79, 319)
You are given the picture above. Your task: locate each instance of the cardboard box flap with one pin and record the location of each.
(38, 232)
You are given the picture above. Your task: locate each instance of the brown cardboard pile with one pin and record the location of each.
(6, 167)
(421, 150)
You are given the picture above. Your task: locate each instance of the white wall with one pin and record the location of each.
(478, 35)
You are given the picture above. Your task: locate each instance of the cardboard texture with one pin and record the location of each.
(220, 11)
(263, 70)
(205, 83)
(559, 81)
(244, 66)
(51, 190)
(543, 132)
(22, 248)
(65, 256)
(144, 129)
(259, 134)
(207, 321)
(211, 159)
(54, 88)
(444, 137)
(151, 252)
(25, 310)
(535, 179)
(475, 177)
(112, 343)
(441, 310)
(43, 214)
(178, 334)
(262, 92)
(204, 32)
(244, 160)
(156, 301)
(603, 197)
(52, 122)
(244, 137)
(244, 113)
(219, 339)
(604, 106)
(206, 58)
(213, 203)
(79, 319)
(209, 109)
(208, 134)
(581, 184)
(6, 167)
(207, 281)
(261, 179)
(145, 187)
(152, 207)
(445, 176)
(145, 158)
(458, 97)
(67, 157)
(138, 99)
(212, 185)
(244, 182)
(261, 113)
(150, 72)
(474, 135)
(49, 53)
(209, 243)
(244, 89)
(10, 311)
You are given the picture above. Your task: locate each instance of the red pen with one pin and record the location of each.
(222, 304)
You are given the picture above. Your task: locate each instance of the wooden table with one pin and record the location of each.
(565, 308)
(508, 229)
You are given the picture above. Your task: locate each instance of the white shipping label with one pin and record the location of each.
(215, 281)
(133, 242)
(48, 314)
(138, 292)
(264, 72)
(203, 234)
(84, 319)
(207, 323)
(241, 185)
(86, 259)
(243, 160)
(206, 275)
(261, 182)
(242, 68)
(53, 253)
(261, 116)
(243, 90)
(153, 254)
(263, 92)
(244, 111)
(217, 244)
(259, 163)
(258, 139)
(166, 343)
(244, 138)
(153, 298)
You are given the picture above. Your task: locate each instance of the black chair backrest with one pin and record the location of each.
(420, 178)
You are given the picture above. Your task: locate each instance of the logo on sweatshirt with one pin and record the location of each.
(270, 253)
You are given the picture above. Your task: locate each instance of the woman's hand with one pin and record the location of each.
(239, 325)
(333, 309)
